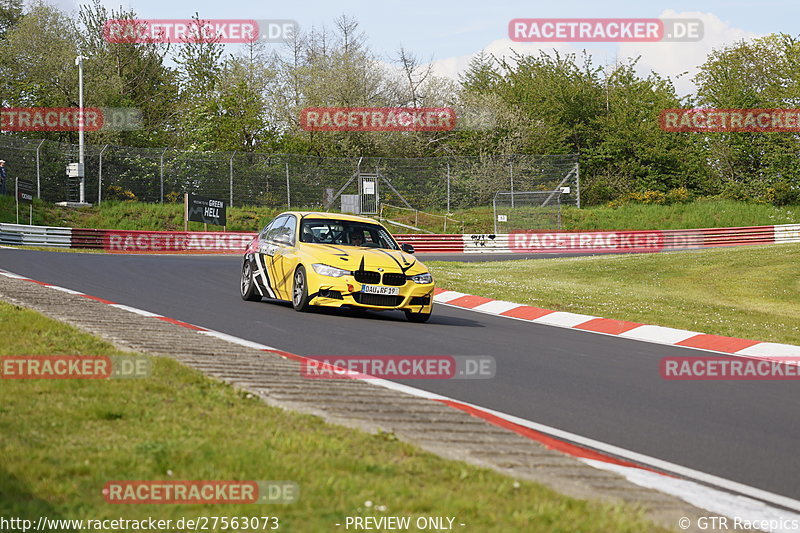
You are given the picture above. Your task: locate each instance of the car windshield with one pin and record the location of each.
(346, 233)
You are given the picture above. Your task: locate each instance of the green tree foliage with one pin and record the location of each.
(195, 96)
(10, 14)
(128, 75)
(762, 73)
(630, 152)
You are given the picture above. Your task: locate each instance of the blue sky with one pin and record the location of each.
(450, 32)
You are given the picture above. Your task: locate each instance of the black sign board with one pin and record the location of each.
(206, 210)
(24, 191)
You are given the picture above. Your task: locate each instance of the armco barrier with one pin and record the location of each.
(121, 241)
(787, 233)
(626, 241)
(443, 243)
(35, 235)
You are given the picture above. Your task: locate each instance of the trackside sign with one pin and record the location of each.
(206, 210)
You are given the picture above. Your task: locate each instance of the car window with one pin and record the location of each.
(344, 232)
(285, 234)
(275, 223)
(275, 228)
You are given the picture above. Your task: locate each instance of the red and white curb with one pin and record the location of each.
(706, 491)
(772, 351)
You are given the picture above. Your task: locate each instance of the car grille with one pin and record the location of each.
(367, 276)
(397, 280)
(381, 300)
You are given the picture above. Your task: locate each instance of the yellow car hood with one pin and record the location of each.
(356, 258)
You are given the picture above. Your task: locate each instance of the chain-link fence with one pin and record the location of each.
(278, 180)
(523, 211)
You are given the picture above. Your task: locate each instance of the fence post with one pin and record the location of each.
(38, 176)
(448, 193)
(231, 167)
(100, 177)
(288, 193)
(511, 167)
(161, 165)
(578, 182)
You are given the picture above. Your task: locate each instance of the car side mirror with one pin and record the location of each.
(407, 248)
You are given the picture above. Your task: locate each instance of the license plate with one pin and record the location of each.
(376, 289)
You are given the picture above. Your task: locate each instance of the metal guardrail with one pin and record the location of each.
(603, 241)
(35, 235)
(441, 243)
(122, 241)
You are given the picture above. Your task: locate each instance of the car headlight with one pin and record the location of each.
(422, 278)
(327, 270)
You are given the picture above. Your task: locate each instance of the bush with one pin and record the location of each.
(782, 193)
(115, 192)
(735, 190)
(680, 195)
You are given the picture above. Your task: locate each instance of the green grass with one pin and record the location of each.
(749, 292)
(131, 216)
(702, 213)
(63, 439)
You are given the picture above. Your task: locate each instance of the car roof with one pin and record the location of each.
(331, 216)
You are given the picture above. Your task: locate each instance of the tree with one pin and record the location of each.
(10, 14)
(762, 73)
(128, 75)
(200, 69)
(38, 57)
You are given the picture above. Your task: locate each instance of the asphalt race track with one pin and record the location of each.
(597, 386)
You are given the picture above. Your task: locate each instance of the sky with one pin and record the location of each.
(449, 33)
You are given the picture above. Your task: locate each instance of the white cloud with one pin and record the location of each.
(672, 59)
(669, 59)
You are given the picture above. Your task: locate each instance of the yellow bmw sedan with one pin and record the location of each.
(331, 260)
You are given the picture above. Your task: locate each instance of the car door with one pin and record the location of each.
(284, 256)
(264, 270)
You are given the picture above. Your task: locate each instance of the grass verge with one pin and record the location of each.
(750, 292)
(63, 439)
(702, 213)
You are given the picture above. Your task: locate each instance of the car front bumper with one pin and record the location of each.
(336, 292)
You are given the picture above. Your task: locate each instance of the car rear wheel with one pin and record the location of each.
(248, 285)
(300, 290)
(411, 316)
